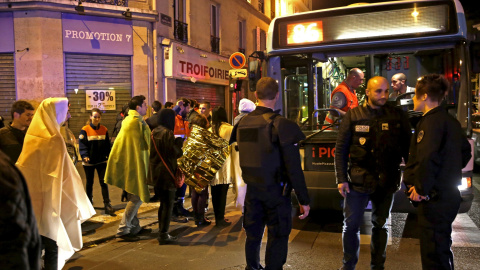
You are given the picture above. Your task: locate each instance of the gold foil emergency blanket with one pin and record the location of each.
(203, 155)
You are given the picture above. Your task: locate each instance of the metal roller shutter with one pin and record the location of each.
(96, 72)
(7, 86)
(208, 92)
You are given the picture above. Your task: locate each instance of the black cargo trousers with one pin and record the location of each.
(265, 206)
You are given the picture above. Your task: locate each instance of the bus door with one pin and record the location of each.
(300, 88)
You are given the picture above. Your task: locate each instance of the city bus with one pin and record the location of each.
(310, 53)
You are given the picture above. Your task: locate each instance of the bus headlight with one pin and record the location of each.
(466, 183)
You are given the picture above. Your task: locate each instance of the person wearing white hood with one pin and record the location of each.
(58, 198)
(245, 107)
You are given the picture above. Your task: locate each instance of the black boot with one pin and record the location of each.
(201, 220)
(109, 210)
(124, 196)
(166, 238)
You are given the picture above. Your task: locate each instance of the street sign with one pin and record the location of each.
(238, 73)
(237, 60)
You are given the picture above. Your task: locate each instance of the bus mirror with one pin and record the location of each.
(254, 74)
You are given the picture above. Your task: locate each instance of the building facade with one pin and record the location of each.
(196, 39)
(95, 54)
(100, 53)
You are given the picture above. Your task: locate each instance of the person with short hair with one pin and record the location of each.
(168, 105)
(438, 152)
(193, 109)
(271, 167)
(94, 147)
(344, 97)
(399, 86)
(372, 140)
(205, 109)
(13, 135)
(127, 166)
(152, 121)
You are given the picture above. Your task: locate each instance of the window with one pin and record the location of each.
(180, 30)
(261, 6)
(241, 36)
(214, 29)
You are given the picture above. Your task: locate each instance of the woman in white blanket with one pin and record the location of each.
(58, 198)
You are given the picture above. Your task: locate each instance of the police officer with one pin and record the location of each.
(438, 152)
(270, 163)
(372, 139)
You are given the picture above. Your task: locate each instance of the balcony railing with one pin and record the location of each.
(215, 42)
(181, 31)
(261, 6)
(123, 3)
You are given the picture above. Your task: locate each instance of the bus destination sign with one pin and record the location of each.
(304, 32)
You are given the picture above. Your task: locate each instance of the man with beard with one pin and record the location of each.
(12, 136)
(372, 139)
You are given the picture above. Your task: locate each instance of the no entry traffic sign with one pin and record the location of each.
(237, 60)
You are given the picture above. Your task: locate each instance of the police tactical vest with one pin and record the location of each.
(375, 150)
(259, 149)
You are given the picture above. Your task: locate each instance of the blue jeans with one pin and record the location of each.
(353, 210)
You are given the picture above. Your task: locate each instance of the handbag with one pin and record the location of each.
(179, 177)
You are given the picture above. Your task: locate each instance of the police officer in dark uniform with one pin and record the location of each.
(270, 163)
(438, 152)
(372, 140)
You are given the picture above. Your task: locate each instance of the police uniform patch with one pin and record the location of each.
(420, 136)
(360, 128)
(384, 126)
(362, 140)
(81, 137)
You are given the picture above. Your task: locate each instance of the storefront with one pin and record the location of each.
(7, 65)
(196, 74)
(98, 66)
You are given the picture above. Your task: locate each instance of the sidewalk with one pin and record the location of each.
(101, 228)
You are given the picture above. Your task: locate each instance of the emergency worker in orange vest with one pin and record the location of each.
(344, 97)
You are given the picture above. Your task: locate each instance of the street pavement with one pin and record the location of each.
(315, 243)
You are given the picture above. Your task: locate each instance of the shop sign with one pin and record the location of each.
(101, 99)
(99, 35)
(195, 65)
(6, 32)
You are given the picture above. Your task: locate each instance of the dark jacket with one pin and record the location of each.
(152, 121)
(284, 135)
(19, 238)
(370, 146)
(11, 142)
(169, 147)
(94, 143)
(438, 152)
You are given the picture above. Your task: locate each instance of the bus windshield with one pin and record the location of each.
(305, 98)
(311, 53)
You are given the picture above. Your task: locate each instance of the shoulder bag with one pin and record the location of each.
(179, 177)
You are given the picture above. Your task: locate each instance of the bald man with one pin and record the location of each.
(399, 85)
(372, 140)
(344, 97)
